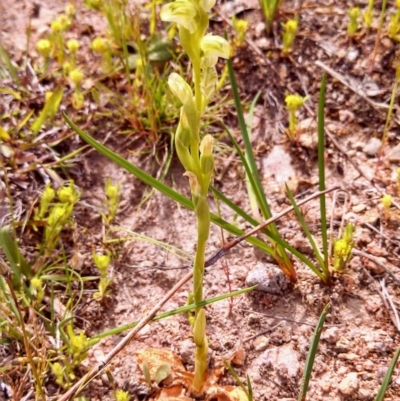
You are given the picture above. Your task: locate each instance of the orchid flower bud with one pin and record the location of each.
(207, 158)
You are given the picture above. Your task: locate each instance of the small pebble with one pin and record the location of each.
(372, 147)
(349, 385)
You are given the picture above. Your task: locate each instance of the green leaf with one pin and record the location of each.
(49, 110)
(162, 373)
(321, 173)
(173, 312)
(154, 183)
(18, 264)
(386, 381)
(311, 354)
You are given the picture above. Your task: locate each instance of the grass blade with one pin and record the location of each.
(321, 173)
(49, 110)
(164, 189)
(305, 228)
(386, 381)
(176, 311)
(17, 262)
(252, 173)
(311, 355)
(278, 240)
(4, 59)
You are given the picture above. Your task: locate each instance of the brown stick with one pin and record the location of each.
(78, 386)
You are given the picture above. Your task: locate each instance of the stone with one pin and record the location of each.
(261, 343)
(358, 208)
(349, 385)
(268, 278)
(372, 147)
(330, 335)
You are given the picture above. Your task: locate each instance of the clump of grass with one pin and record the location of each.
(269, 9)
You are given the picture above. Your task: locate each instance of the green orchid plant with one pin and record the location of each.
(196, 155)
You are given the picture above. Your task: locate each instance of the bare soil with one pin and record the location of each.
(272, 330)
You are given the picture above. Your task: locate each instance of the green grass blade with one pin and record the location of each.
(4, 59)
(304, 226)
(256, 182)
(321, 173)
(236, 377)
(249, 388)
(17, 262)
(250, 188)
(137, 172)
(386, 381)
(149, 180)
(177, 311)
(274, 238)
(311, 355)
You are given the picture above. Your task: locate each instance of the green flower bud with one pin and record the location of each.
(206, 157)
(112, 191)
(183, 134)
(47, 198)
(68, 194)
(76, 76)
(59, 215)
(77, 100)
(101, 261)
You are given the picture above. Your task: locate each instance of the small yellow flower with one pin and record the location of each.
(121, 395)
(56, 26)
(101, 261)
(99, 45)
(294, 102)
(386, 201)
(73, 45)
(76, 77)
(292, 25)
(43, 46)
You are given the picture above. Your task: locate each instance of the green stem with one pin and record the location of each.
(197, 80)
